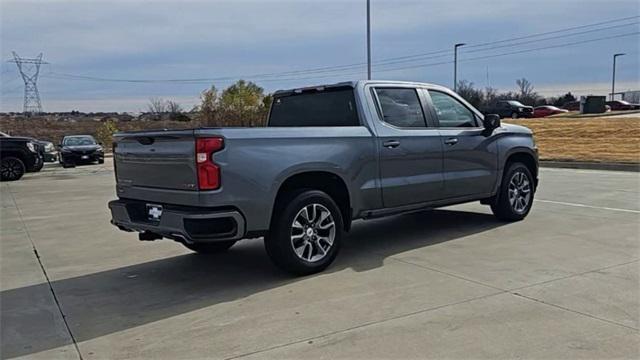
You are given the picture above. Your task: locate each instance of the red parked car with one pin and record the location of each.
(622, 105)
(546, 110)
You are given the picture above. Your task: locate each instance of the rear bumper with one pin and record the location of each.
(180, 223)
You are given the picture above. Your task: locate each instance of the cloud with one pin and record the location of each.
(194, 39)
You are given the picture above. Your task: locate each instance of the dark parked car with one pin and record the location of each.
(17, 156)
(329, 155)
(622, 105)
(510, 109)
(46, 149)
(547, 110)
(572, 106)
(49, 152)
(79, 149)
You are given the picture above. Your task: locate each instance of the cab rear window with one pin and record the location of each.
(332, 107)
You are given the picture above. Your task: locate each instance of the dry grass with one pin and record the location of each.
(586, 139)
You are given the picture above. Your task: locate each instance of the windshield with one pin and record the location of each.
(78, 140)
(515, 103)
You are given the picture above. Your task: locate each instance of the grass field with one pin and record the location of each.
(586, 139)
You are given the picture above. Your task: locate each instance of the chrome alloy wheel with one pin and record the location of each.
(312, 232)
(519, 192)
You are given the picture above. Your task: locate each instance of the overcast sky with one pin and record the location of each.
(151, 40)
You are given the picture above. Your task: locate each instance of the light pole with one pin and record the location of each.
(613, 80)
(368, 39)
(455, 64)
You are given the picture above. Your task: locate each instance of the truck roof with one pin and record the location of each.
(351, 84)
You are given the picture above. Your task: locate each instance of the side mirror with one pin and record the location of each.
(491, 121)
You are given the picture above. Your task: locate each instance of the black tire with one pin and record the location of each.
(11, 168)
(67, 165)
(100, 161)
(503, 207)
(317, 246)
(210, 248)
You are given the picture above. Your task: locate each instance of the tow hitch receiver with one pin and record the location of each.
(149, 236)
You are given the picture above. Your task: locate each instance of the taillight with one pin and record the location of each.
(208, 171)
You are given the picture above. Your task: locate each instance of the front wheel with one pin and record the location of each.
(210, 248)
(515, 197)
(11, 169)
(306, 232)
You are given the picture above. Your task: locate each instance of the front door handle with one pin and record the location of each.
(391, 144)
(451, 141)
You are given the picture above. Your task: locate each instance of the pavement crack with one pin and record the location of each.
(46, 275)
(573, 311)
(572, 275)
(448, 274)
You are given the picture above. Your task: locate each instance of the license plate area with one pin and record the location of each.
(84, 157)
(154, 212)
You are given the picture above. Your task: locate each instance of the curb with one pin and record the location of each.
(590, 165)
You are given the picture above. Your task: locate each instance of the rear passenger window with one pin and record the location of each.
(451, 113)
(334, 107)
(400, 107)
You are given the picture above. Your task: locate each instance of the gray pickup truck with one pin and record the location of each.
(330, 155)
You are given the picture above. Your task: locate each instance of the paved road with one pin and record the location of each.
(451, 283)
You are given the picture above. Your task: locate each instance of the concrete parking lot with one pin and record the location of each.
(449, 283)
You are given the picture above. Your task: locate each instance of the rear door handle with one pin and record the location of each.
(391, 144)
(451, 141)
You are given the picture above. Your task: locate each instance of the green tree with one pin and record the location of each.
(104, 134)
(208, 108)
(242, 104)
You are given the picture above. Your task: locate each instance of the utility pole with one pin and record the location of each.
(455, 64)
(368, 39)
(613, 80)
(29, 70)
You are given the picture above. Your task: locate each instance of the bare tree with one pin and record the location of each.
(173, 107)
(157, 106)
(525, 87)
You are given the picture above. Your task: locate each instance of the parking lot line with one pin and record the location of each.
(587, 206)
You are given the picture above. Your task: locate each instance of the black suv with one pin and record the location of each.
(77, 149)
(17, 156)
(510, 109)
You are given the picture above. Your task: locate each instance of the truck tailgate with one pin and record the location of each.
(157, 159)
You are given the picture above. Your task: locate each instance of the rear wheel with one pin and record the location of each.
(210, 248)
(306, 232)
(11, 168)
(515, 197)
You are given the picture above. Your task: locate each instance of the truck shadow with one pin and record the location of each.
(110, 301)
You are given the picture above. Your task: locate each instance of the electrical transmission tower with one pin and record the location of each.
(30, 69)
